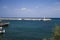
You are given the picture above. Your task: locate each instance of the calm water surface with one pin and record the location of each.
(29, 30)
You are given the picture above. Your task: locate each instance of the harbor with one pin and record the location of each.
(27, 29)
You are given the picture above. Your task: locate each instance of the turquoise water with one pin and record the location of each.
(29, 30)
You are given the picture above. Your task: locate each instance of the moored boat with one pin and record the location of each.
(3, 24)
(2, 30)
(46, 19)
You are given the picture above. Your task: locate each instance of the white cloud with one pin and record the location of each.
(5, 7)
(37, 7)
(23, 10)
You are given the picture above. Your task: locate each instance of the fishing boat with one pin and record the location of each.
(2, 30)
(20, 19)
(4, 24)
(46, 19)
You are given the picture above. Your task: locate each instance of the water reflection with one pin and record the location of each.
(2, 37)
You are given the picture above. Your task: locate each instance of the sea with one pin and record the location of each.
(29, 29)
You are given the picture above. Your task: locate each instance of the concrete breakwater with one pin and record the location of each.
(25, 19)
(20, 18)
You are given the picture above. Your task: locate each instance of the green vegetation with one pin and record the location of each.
(56, 34)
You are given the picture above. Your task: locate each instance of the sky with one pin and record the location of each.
(30, 8)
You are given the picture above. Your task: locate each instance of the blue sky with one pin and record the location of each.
(30, 8)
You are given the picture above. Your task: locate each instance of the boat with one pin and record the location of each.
(2, 30)
(46, 19)
(20, 19)
(4, 24)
